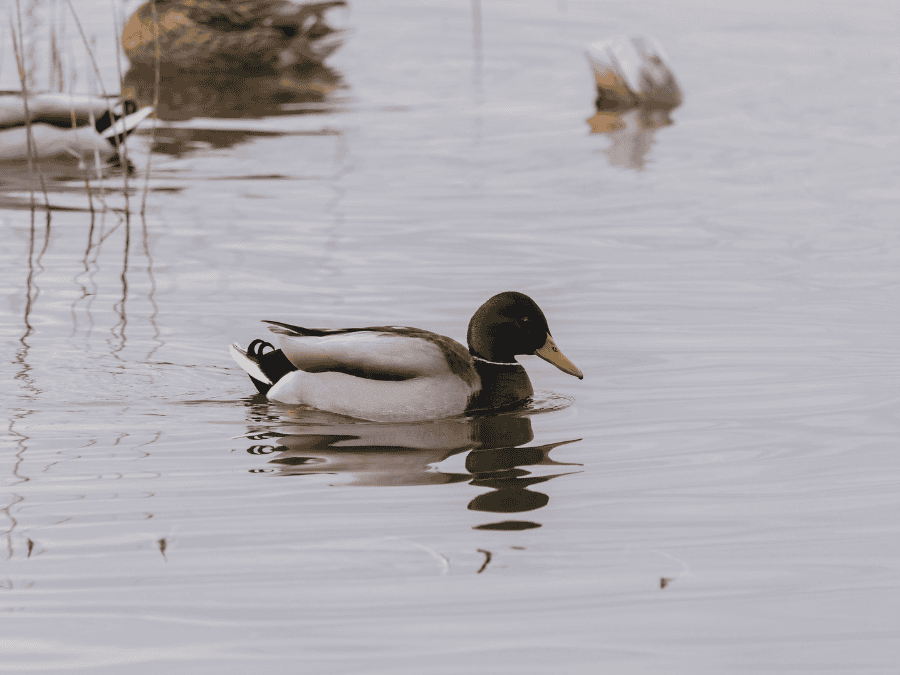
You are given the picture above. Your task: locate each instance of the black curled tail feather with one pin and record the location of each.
(114, 128)
(108, 118)
(273, 363)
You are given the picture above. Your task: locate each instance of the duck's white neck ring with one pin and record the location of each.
(497, 363)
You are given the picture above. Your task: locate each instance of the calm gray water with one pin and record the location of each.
(719, 494)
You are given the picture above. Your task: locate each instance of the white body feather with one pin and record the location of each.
(432, 391)
(384, 353)
(417, 399)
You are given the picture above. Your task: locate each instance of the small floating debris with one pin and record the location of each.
(487, 560)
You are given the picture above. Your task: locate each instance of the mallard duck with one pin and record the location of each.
(63, 124)
(632, 72)
(249, 35)
(401, 374)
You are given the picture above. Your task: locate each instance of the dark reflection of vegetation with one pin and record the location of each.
(407, 454)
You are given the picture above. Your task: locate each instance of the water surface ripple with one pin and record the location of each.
(720, 492)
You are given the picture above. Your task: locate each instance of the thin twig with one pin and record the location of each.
(18, 45)
(97, 166)
(157, 57)
(88, 47)
(150, 296)
(121, 146)
(29, 140)
(87, 174)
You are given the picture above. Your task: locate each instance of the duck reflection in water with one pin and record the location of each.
(230, 58)
(373, 454)
(184, 96)
(636, 92)
(631, 134)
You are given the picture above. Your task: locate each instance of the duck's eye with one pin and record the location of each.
(524, 318)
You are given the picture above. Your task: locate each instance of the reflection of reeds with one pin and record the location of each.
(85, 264)
(30, 298)
(151, 295)
(118, 331)
(97, 235)
(24, 377)
(40, 239)
(90, 269)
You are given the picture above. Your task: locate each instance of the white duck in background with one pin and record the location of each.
(65, 125)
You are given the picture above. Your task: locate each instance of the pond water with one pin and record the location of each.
(720, 492)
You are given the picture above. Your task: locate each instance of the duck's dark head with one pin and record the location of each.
(511, 323)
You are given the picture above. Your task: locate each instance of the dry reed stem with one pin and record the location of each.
(121, 147)
(18, 47)
(89, 50)
(29, 140)
(97, 165)
(157, 57)
(57, 78)
(87, 174)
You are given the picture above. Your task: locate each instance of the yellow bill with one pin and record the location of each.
(551, 354)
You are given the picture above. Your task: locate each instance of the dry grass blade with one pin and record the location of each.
(18, 42)
(157, 57)
(90, 51)
(121, 143)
